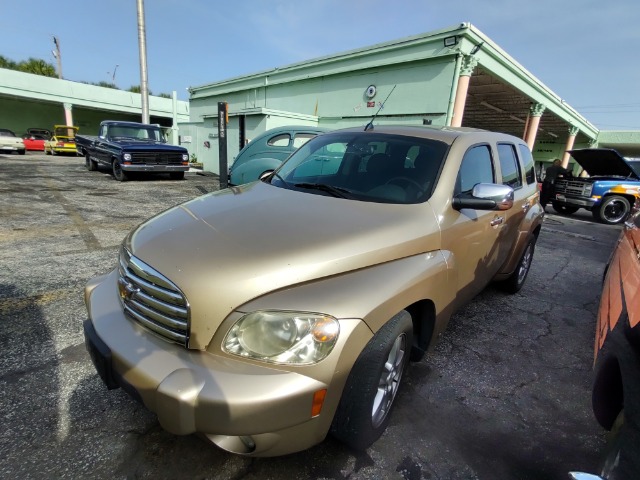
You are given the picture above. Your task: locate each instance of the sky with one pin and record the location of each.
(586, 51)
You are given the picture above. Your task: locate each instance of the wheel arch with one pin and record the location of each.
(629, 197)
(423, 317)
(608, 392)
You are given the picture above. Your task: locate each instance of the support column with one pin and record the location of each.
(174, 121)
(68, 116)
(469, 63)
(573, 132)
(535, 113)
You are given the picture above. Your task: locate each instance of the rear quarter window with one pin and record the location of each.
(281, 140)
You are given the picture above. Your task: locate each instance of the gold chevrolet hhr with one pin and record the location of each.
(268, 315)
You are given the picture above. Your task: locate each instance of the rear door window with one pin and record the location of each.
(511, 173)
(527, 161)
(302, 138)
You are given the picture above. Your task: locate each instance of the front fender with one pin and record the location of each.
(373, 294)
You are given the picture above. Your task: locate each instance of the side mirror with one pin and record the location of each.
(485, 196)
(583, 476)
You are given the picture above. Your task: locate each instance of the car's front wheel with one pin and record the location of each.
(368, 396)
(564, 209)
(91, 165)
(176, 175)
(613, 209)
(119, 174)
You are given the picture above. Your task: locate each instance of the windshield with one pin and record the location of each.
(143, 132)
(365, 166)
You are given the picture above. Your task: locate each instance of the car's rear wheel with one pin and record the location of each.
(119, 174)
(516, 280)
(370, 391)
(564, 209)
(613, 209)
(22, 152)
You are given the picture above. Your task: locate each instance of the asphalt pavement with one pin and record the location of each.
(504, 395)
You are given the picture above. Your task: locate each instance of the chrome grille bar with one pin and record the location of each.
(152, 300)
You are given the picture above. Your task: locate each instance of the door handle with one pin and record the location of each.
(496, 221)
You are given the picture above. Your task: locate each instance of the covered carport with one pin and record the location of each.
(34, 101)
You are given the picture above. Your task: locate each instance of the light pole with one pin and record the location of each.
(142, 46)
(56, 53)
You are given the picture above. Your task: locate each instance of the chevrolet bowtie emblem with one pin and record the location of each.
(127, 290)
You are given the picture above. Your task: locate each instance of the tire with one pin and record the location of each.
(371, 388)
(176, 175)
(516, 280)
(119, 174)
(620, 460)
(613, 210)
(22, 152)
(46, 152)
(564, 209)
(90, 164)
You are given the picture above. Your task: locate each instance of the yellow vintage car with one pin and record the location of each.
(62, 141)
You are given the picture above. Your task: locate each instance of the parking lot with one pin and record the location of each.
(504, 395)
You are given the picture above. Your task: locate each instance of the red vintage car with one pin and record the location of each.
(35, 138)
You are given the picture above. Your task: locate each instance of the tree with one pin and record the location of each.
(38, 67)
(9, 64)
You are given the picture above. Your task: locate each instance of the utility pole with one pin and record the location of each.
(56, 53)
(142, 46)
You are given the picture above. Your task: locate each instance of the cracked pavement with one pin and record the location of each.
(505, 393)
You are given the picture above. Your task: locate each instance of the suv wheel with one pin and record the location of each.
(515, 282)
(368, 396)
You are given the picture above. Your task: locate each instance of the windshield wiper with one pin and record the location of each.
(335, 191)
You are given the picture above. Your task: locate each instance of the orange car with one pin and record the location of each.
(616, 390)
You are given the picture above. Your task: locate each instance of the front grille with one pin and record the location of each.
(152, 300)
(574, 187)
(156, 158)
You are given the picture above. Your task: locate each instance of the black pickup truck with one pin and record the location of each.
(127, 147)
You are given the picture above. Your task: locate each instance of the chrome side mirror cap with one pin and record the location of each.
(584, 476)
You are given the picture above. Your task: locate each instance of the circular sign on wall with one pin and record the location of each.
(371, 91)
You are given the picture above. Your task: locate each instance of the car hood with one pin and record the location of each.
(603, 162)
(229, 247)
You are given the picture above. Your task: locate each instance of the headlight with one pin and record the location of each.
(185, 157)
(299, 338)
(126, 157)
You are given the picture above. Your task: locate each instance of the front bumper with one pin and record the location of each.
(11, 148)
(154, 168)
(242, 407)
(578, 202)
